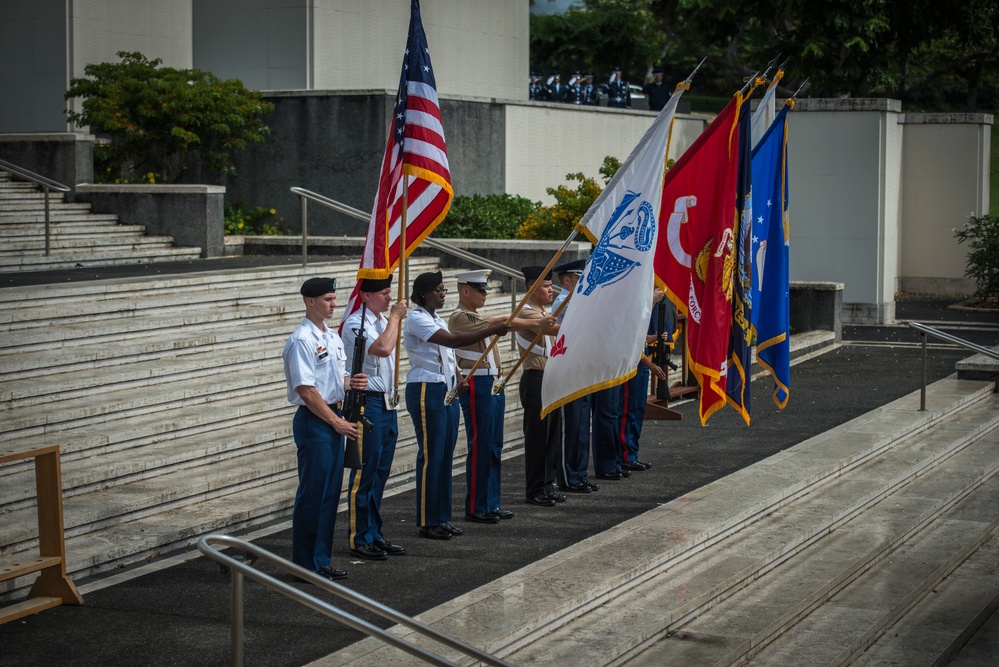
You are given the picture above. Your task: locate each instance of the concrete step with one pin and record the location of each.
(71, 259)
(114, 242)
(107, 529)
(58, 231)
(936, 630)
(15, 201)
(846, 625)
(872, 562)
(56, 217)
(620, 564)
(100, 299)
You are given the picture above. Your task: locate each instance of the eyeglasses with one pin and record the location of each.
(441, 290)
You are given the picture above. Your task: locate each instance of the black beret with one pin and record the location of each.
(314, 287)
(575, 266)
(532, 273)
(375, 284)
(657, 70)
(426, 283)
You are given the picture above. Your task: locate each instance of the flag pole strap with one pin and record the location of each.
(527, 295)
(501, 385)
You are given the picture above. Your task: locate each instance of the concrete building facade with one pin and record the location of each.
(875, 192)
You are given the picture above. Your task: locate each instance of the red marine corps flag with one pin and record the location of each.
(414, 188)
(695, 254)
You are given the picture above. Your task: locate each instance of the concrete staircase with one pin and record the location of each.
(873, 543)
(78, 237)
(167, 398)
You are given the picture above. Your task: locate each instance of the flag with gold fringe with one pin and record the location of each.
(695, 255)
(602, 337)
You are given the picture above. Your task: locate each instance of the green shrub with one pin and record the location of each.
(557, 221)
(485, 217)
(160, 121)
(982, 235)
(253, 221)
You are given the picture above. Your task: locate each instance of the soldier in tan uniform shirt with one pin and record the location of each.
(483, 410)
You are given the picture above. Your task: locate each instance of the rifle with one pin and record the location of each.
(353, 410)
(662, 351)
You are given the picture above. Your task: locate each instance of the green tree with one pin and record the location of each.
(932, 54)
(605, 34)
(557, 221)
(485, 217)
(161, 121)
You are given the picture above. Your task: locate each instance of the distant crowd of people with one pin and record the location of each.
(580, 89)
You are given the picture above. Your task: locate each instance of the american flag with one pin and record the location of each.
(415, 151)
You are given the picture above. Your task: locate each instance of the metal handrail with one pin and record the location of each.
(240, 569)
(448, 248)
(46, 183)
(926, 331)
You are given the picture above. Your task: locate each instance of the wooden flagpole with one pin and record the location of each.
(402, 284)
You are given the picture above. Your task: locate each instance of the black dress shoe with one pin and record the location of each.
(455, 532)
(644, 464)
(609, 475)
(543, 501)
(435, 533)
(557, 497)
(625, 473)
(328, 572)
(369, 552)
(633, 465)
(502, 513)
(389, 548)
(482, 517)
(591, 485)
(575, 488)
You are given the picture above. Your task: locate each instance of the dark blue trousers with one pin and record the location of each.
(636, 393)
(436, 435)
(320, 478)
(484, 414)
(574, 443)
(606, 437)
(367, 485)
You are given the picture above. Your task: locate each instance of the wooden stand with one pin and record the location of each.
(53, 587)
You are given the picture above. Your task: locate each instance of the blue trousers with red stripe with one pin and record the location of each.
(484, 414)
(367, 485)
(436, 435)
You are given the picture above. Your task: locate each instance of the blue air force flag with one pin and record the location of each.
(771, 242)
(602, 337)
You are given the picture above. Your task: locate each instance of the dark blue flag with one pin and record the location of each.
(740, 357)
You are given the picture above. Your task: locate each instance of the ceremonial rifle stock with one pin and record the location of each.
(353, 410)
(662, 353)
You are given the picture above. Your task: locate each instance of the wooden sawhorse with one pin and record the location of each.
(53, 587)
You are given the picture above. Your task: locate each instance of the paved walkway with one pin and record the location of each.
(175, 611)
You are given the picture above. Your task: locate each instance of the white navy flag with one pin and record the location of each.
(602, 337)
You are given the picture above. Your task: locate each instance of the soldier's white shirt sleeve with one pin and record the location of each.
(314, 358)
(422, 325)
